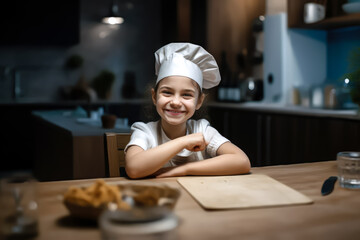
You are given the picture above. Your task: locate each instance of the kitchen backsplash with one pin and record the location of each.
(303, 62)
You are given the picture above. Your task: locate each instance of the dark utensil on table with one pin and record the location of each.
(328, 185)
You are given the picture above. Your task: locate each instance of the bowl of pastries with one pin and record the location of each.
(89, 201)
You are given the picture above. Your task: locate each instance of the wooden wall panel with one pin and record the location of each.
(229, 26)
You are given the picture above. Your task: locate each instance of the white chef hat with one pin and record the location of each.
(188, 60)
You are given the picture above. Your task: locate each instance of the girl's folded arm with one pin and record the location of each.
(141, 163)
(230, 160)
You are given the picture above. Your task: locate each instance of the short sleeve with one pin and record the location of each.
(213, 137)
(142, 135)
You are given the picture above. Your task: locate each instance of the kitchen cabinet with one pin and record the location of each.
(242, 128)
(335, 17)
(294, 139)
(271, 138)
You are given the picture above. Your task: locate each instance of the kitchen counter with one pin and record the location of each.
(18, 123)
(68, 145)
(271, 134)
(288, 109)
(335, 216)
(79, 125)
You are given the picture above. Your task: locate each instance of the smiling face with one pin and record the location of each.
(176, 99)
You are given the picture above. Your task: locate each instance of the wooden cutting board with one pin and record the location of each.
(242, 191)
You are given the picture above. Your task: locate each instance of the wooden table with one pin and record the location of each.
(336, 216)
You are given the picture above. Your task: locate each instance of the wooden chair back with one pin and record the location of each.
(115, 144)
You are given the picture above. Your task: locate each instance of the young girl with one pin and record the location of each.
(177, 145)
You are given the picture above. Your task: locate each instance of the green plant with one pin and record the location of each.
(103, 82)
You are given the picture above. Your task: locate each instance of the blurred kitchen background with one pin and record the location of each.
(281, 71)
(44, 36)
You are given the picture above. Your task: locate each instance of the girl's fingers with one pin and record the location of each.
(199, 147)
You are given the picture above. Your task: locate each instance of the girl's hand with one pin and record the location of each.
(195, 142)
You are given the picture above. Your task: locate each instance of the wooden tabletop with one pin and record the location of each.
(335, 216)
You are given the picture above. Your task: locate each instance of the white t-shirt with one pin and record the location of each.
(150, 135)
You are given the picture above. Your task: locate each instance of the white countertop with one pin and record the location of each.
(289, 109)
(79, 125)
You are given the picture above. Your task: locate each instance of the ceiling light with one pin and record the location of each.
(113, 17)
